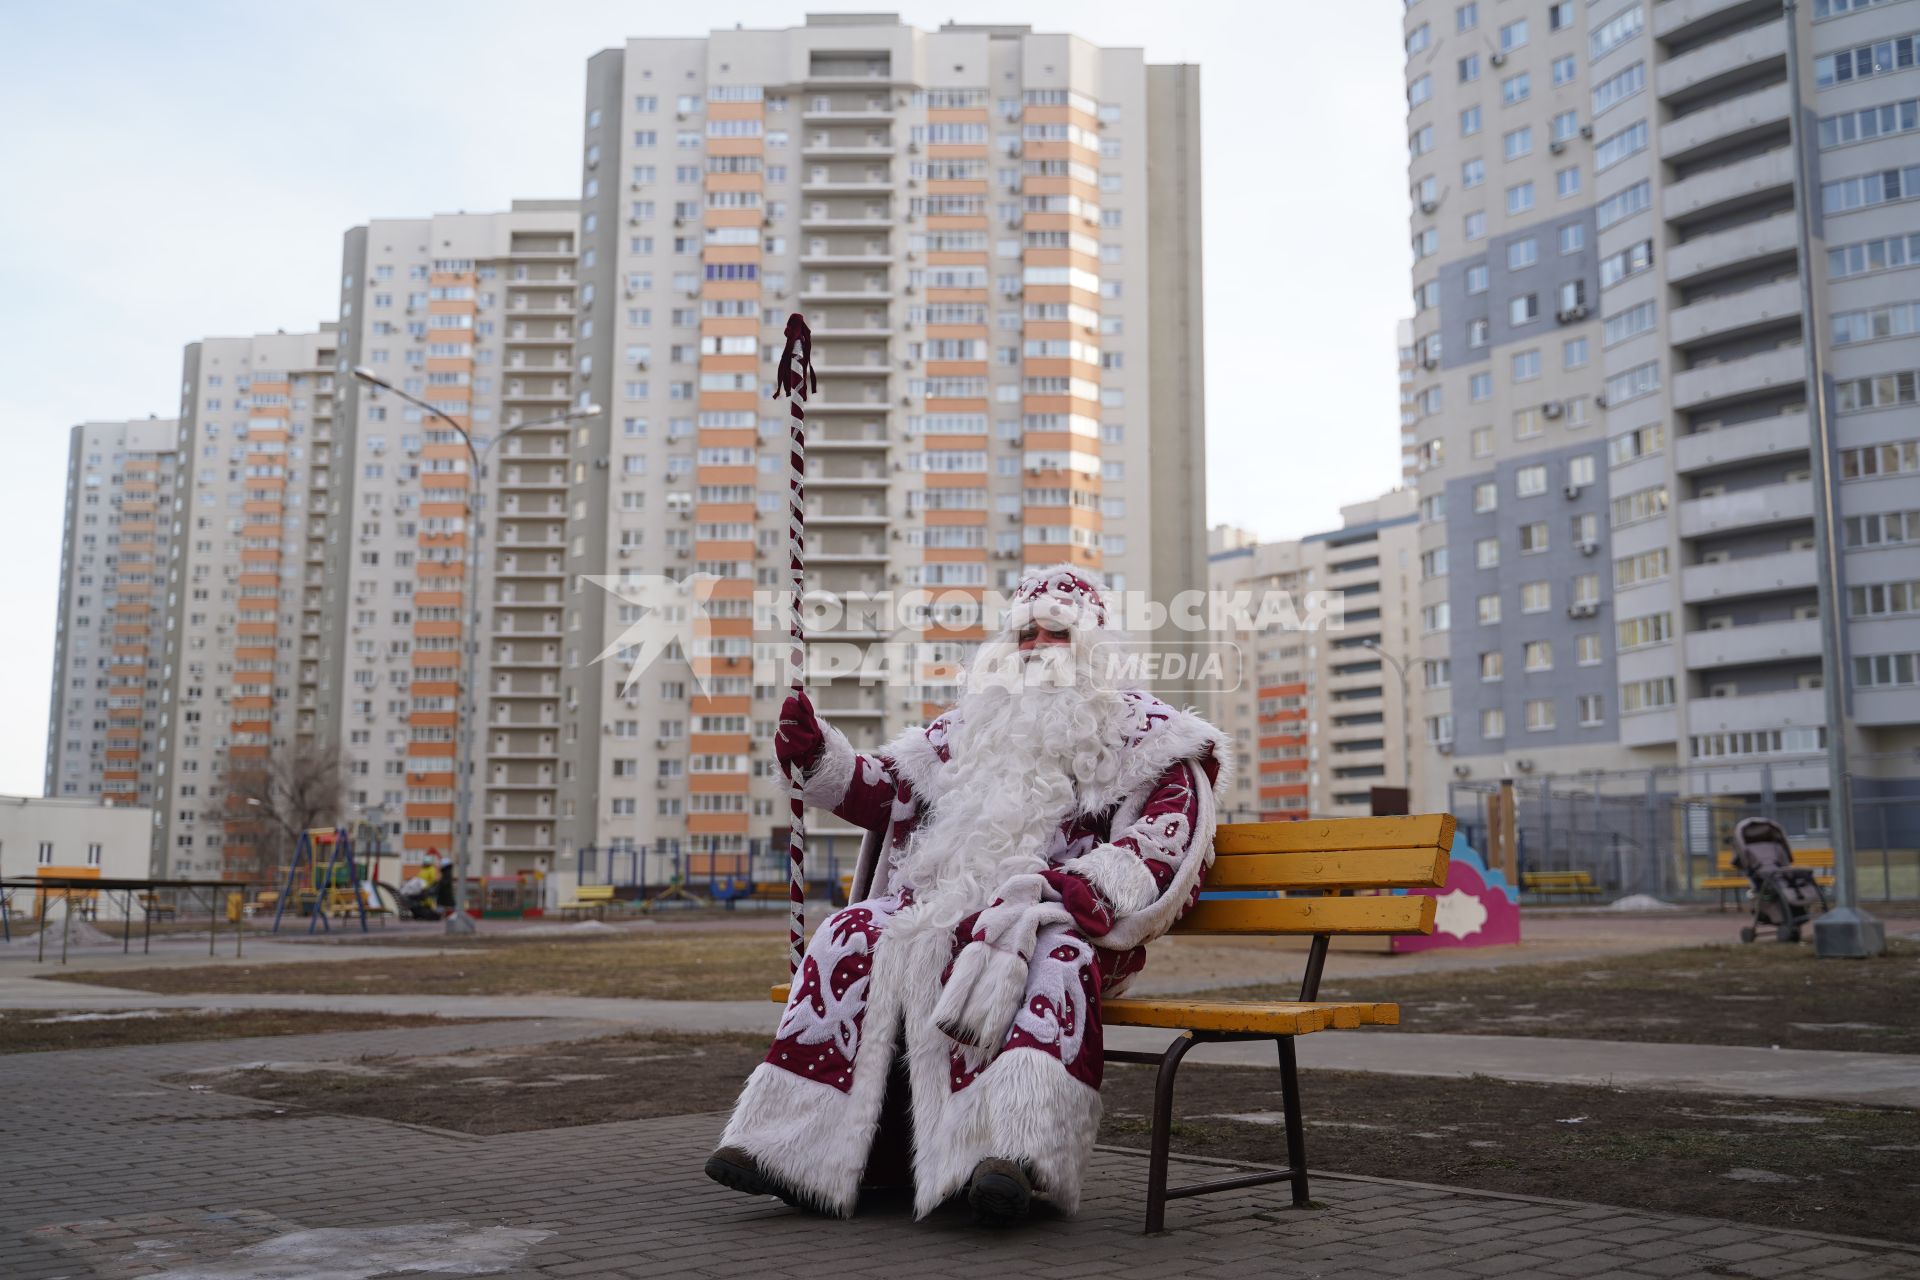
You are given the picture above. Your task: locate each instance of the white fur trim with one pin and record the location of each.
(1119, 876)
(808, 1135)
(827, 782)
(1025, 1108)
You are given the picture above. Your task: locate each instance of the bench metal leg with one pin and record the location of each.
(1296, 1129)
(1163, 1132)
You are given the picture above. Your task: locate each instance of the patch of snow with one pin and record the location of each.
(360, 1253)
(119, 1016)
(1757, 1175)
(1641, 902)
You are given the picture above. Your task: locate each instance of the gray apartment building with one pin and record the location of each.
(117, 538)
(1611, 399)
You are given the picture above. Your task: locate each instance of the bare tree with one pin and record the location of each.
(272, 800)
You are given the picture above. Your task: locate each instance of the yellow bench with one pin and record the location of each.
(590, 898)
(1326, 861)
(1725, 879)
(1577, 883)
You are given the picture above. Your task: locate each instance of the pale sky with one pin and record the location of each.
(174, 171)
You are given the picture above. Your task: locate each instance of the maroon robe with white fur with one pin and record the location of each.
(872, 974)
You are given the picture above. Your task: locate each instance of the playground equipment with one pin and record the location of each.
(325, 890)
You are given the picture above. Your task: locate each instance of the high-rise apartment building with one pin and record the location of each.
(249, 513)
(994, 236)
(117, 536)
(474, 314)
(1409, 371)
(1323, 714)
(1613, 401)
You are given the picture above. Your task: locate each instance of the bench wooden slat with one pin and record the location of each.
(1278, 1017)
(1366, 868)
(1411, 913)
(1336, 835)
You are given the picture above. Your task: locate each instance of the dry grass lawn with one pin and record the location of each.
(665, 966)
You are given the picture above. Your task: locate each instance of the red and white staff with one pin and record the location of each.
(795, 379)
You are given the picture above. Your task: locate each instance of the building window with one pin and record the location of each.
(1488, 610)
(1493, 723)
(1530, 482)
(1586, 649)
(1513, 35)
(1533, 538)
(1490, 667)
(1470, 122)
(1526, 365)
(45, 856)
(1524, 309)
(1516, 89)
(1522, 253)
(1486, 553)
(1478, 277)
(1480, 387)
(1536, 597)
(1486, 497)
(1539, 655)
(1518, 143)
(1539, 714)
(1469, 68)
(1473, 173)
(1519, 198)
(1480, 442)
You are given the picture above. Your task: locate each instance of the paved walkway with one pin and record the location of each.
(1881, 1078)
(108, 1172)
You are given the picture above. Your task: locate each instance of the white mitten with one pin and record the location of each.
(989, 978)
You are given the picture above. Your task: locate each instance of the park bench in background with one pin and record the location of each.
(1578, 884)
(1725, 879)
(594, 899)
(1316, 866)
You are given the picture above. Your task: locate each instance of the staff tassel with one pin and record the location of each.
(796, 380)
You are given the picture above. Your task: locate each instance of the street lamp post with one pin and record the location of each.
(460, 922)
(1406, 715)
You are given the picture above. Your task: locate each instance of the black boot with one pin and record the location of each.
(1000, 1193)
(733, 1168)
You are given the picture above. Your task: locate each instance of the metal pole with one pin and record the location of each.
(1406, 715)
(1846, 930)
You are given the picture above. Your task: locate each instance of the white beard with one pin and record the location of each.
(1029, 728)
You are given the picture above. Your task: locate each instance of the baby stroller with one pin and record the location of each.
(1783, 895)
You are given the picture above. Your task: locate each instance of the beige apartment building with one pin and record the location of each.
(474, 313)
(994, 235)
(1613, 406)
(116, 539)
(1323, 714)
(253, 439)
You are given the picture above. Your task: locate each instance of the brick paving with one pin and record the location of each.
(107, 1173)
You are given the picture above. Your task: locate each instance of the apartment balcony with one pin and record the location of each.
(872, 186)
(1735, 313)
(1747, 646)
(1726, 123)
(1760, 508)
(881, 114)
(867, 331)
(1747, 442)
(841, 520)
(523, 753)
(864, 369)
(1785, 708)
(830, 150)
(846, 406)
(512, 784)
(1887, 706)
(872, 555)
(1783, 368)
(1688, 19)
(846, 259)
(844, 222)
(1721, 191)
(1751, 576)
(845, 295)
(1711, 66)
(868, 480)
(522, 693)
(1650, 728)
